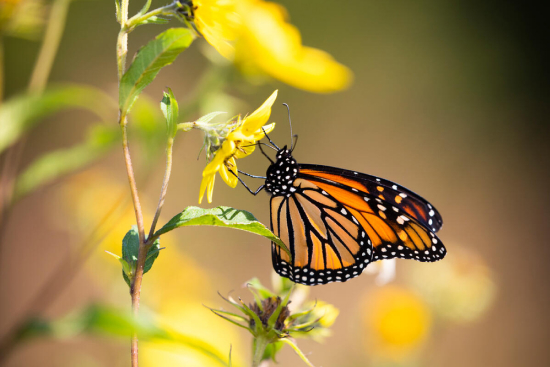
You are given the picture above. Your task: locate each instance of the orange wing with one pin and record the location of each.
(393, 227)
(325, 238)
(393, 194)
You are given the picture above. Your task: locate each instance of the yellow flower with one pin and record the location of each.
(257, 37)
(238, 144)
(272, 45)
(397, 322)
(218, 22)
(460, 289)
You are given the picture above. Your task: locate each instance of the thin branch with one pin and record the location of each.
(168, 170)
(52, 38)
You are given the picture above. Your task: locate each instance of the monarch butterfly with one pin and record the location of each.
(335, 222)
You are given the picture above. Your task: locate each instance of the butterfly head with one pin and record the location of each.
(281, 174)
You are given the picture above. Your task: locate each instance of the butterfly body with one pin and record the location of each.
(335, 222)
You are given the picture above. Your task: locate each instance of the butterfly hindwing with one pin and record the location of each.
(326, 241)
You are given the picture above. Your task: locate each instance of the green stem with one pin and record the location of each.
(135, 289)
(1, 69)
(259, 345)
(168, 170)
(137, 19)
(50, 45)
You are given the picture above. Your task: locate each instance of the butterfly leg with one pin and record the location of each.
(248, 188)
(253, 176)
(262, 150)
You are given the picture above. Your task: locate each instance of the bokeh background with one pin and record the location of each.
(450, 99)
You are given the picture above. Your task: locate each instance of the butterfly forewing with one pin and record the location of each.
(396, 195)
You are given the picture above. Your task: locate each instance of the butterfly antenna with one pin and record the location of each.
(290, 123)
(295, 141)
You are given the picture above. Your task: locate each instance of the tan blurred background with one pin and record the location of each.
(449, 99)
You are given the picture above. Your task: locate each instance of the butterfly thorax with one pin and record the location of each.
(281, 174)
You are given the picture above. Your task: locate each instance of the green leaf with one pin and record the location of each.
(263, 291)
(154, 20)
(106, 321)
(169, 107)
(158, 53)
(297, 350)
(221, 216)
(117, 8)
(130, 251)
(53, 165)
(145, 8)
(271, 351)
(207, 118)
(21, 113)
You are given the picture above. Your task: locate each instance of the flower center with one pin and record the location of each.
(187, 9)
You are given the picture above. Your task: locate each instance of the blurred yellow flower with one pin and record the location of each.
(397, 322)
(255, 35)
(176, 287)
(238, 144)
(22, 18)
(459, 289)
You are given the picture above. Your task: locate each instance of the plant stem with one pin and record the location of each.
(122, 41)
(258, 349)
(1, 70)
(164, 10)
(168, 170)
(50, 45)
(135, 289)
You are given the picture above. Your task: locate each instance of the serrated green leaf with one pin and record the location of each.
(169, 107)
(53, 165)
(221, 216)
(130, 251)
(158, 53)
(21, 113)
(107, 321)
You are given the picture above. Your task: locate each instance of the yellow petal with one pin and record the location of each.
(259, 117)
(204, 184)
(219, 23)
(210, 191)
(310, 69)
(274, 46)
(246, 148)
(229, 178)
(215, 164)
(259, 134)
